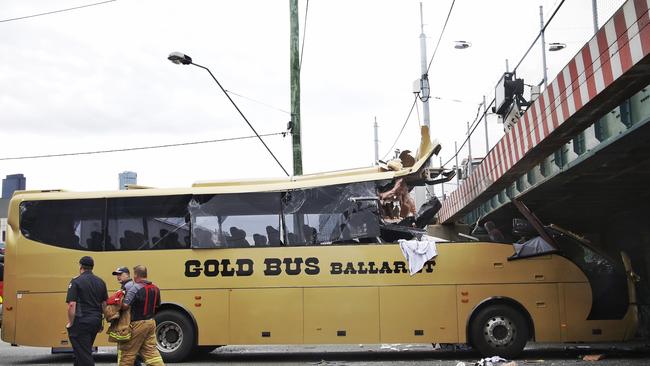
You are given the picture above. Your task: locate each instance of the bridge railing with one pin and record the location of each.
(605, 71)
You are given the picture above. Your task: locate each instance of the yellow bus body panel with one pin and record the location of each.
(356, 293)
(339, 304)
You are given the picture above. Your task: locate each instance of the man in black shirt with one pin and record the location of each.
(86, 300)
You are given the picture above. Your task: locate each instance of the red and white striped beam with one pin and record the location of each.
(611, 67)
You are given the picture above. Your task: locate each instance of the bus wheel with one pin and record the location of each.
(499, 330)
(175, 335)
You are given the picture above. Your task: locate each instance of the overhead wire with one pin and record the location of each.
(304, 35)
(56, 11)
(478, 111)
(472, 127)
(538, 35)
(476, 121)
(139, 147)
(441, 34)
(428, 67)
(415, 100)
(470, 134)
(257, 101)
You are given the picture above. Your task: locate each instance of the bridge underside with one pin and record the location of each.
(604, 196)
(596, 188)
(579, 157)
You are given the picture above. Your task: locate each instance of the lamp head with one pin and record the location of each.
(461, 45)
(556, 46)
(179, 58)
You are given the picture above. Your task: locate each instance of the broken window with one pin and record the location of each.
(237, 220)
(338, 214)
(333, 214)
(398, 211)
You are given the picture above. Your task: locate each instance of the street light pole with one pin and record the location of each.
(182, 59)
(376, 142)
(487, 141)
(423, 68)
(594, 9)
(295, 87)
(469, 147)
(541, 24)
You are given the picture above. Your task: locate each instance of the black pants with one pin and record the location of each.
(82, 335)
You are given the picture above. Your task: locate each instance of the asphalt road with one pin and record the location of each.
(336, 355)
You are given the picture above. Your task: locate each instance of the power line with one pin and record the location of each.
(428, 67)
(138, 148)
(258, 102)
(441, 34)
(57, 11)
(478, 111)
(415, 100)
(241, 114)
(446, 99)
(538, 35)
(475, 123)
(470, 134)
(304, 35)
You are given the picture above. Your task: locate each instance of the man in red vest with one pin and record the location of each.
(143, 299)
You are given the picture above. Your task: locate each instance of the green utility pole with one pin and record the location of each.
(295, 87)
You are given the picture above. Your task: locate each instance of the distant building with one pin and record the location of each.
(4, 207)
(127, 178)
(12, 183)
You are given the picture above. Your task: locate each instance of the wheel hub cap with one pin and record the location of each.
(499, 331)
(169, 336)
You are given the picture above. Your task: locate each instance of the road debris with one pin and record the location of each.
(596, 357)
(493, 361)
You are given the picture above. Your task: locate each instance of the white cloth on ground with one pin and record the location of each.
(418, 252)
(491, 361)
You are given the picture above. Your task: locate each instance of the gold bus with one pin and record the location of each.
(304, 260)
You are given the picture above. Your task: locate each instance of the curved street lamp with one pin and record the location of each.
(179, 58)
(461, 45)
(183, 59)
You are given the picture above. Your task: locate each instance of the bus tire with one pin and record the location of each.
(174, 335)
(499, 330)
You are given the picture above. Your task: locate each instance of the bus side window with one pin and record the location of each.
(239, 220)
(73, 224)
(143, 223)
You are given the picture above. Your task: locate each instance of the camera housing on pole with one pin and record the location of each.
(509, 100)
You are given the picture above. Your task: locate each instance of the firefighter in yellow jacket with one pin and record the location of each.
(143, 299)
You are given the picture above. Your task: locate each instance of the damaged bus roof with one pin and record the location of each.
(426, 149)
(375, 173)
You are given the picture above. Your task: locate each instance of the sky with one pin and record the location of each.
(97, 78)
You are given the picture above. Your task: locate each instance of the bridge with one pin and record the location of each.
(580, 155)
(581, 151)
